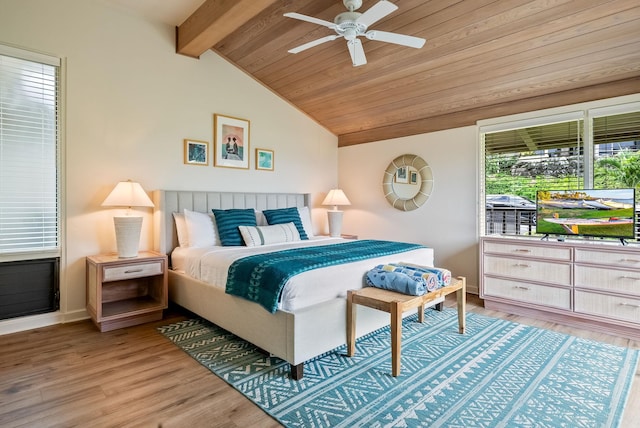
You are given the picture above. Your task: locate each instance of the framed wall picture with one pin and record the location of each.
(196, 152)
(413, 177)
(264, 159)
(231, 138)
(402, 175)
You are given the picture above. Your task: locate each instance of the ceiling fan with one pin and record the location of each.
(352, 24)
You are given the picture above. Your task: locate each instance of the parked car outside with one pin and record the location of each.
(509, 201)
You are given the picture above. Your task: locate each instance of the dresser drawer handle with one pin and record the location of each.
(521, 287)
(521, 250)
(629, 261)
(630, 277)
(134, 271)
(631, 305)
(524, 265)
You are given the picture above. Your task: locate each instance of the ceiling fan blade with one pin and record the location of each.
(376, 12)
(398, 39)
(313, 43)
(310, 19)
(357, 52)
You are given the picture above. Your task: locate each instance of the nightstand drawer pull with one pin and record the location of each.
(521, 250)
(520, 287)
(629, 261)
(117, 273)
(524, 265)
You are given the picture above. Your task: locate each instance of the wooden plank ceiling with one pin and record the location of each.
(482, 59)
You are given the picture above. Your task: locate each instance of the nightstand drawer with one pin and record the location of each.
(117, 273)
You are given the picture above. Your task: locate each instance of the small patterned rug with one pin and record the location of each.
(498, 374)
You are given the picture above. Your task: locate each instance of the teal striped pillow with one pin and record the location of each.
(228, 221)
(286, 215)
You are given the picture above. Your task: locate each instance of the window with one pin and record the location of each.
(594, 148)
(29, 147)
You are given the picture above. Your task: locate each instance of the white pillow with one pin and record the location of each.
(254, 236)
(181, 229)
(305, 217)
(261, 220)
(201, 229)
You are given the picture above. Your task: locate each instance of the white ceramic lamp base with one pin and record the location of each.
(335, 222)
(127, 235)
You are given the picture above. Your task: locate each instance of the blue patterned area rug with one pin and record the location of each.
(499, 373)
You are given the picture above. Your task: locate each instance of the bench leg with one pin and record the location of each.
(461, 296)
(351, 325)
(421, 313)
(396, 337)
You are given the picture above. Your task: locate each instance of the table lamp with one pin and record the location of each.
(127, 194)
(335, 197)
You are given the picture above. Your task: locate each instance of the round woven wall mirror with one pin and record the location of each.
(407, 182)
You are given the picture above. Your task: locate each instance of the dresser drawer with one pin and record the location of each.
(543, 295)
(542, 252)
(532, 270)
(626, 259)
(620, 308)
(600, 278)
(117, 273)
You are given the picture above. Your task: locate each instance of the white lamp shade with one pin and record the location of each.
(128, 194)
(336, 197)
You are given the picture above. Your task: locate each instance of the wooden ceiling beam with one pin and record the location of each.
(213, 21)
(471, 116)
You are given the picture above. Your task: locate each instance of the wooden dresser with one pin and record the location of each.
(584, 284)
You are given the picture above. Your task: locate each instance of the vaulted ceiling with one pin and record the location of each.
(482, 58)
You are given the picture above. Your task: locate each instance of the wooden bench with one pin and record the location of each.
(396, 304)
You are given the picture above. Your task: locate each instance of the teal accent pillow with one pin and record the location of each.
(228, 222)
(286, 215)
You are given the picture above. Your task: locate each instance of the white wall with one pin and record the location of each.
(130, 102)
(447, 222)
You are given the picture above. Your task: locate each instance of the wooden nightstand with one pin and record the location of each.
(126, 292)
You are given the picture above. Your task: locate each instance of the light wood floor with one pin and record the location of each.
(74, 376)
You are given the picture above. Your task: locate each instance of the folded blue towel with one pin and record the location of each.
(396, 281)
(444, 275)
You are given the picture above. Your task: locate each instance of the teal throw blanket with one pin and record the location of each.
(261, 277)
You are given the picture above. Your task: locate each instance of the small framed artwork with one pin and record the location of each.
(196, 152)
(413, 177)
(231, 138)
(402, 175)
(264, 159)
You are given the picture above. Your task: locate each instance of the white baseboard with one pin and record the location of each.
(15, 325)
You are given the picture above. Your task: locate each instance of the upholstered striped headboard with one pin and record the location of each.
(166, 202)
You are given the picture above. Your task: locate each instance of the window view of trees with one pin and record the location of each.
(519, 162)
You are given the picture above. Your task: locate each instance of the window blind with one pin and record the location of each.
(29, 102)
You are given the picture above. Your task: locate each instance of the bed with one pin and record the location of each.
(295, 334)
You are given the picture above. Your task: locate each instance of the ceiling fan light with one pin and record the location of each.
(350, 34)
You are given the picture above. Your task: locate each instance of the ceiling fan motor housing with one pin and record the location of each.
(347, 26)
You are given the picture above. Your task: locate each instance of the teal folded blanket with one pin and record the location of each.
(261, 277)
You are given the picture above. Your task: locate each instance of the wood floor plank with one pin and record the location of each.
(74, 376)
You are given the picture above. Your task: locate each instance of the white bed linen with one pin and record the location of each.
(211, 265)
